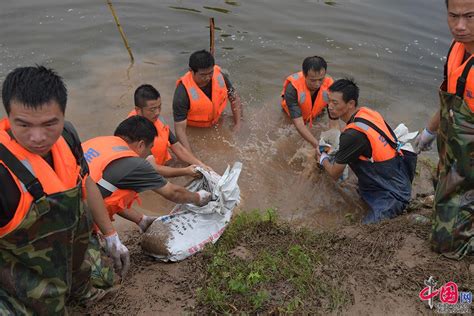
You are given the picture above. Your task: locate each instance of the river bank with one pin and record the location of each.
(262, 264)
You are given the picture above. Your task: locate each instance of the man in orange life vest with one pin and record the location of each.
(148, 104)
(453, 126)
(201, 96)
(44, 226)
(118, 166)
(372, 151)
(303, 96)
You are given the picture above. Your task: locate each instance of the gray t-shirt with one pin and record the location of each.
(181, 102)
(172, 138)
(132, 173)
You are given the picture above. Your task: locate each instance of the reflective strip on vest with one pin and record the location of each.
(120, 148)
(302, 97)
(194, 94)
(221, 81)
(107, 185)
(364, 126)
(28, 166)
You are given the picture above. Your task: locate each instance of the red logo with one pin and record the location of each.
(448, 293)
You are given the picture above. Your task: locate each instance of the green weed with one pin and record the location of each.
(280, 273)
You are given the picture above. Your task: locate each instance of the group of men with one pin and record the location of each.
(59, 196)
(371, 149)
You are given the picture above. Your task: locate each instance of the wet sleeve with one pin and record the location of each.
(230, 88)
(291, 99)
(352, 144)
(172, 138)
(180, 103)
(133, 173)
(76, 147)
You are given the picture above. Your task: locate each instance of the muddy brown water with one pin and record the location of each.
(394, 49)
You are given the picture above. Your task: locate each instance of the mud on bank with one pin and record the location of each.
(262, 264)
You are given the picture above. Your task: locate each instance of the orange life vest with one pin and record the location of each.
(161, 143)
(381, 149)
(64, 176)
(99, 152)
(308, 110)
(202, 111)
(454, 71)
(4, 124)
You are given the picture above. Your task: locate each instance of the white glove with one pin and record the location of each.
(145, 222)
(204, 197)
(119, 253)
(424, 140)
(323, 157)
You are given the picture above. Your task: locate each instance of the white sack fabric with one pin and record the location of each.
(189, 227)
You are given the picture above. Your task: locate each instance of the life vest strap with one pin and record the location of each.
(461, 83)
(76, 151)
(31, 183)
(394, 144)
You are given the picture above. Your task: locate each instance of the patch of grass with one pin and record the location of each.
(280, 275)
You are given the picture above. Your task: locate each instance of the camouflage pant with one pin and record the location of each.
(453, 226)
(102, 274)
(27, 291)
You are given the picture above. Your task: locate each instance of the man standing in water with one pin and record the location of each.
(371, 149)
(303, 96)
(44, 226)
(201, 96)
(453, 126)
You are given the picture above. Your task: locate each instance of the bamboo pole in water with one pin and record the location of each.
(211, 34)
(124, 38)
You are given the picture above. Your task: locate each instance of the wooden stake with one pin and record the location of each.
(211, 34)
(124, 38)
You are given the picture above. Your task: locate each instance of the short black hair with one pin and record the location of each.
(33, 87)
(348, 88)
(447, 3)
(136, 128)
(314, 63)
(201, 59)
(145, 92)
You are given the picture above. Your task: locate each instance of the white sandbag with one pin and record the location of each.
(189, 228)
(330, 138)
(404, 137)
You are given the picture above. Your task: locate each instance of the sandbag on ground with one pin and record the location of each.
(188, 227)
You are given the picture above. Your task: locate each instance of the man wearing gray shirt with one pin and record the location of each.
(303, 96)
(117, 165)
(201, 96)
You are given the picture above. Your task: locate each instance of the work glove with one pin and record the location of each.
(145, 222)
(424, 140)
(204, 197)
(192, 171)
(323, 156)
(119, 253)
